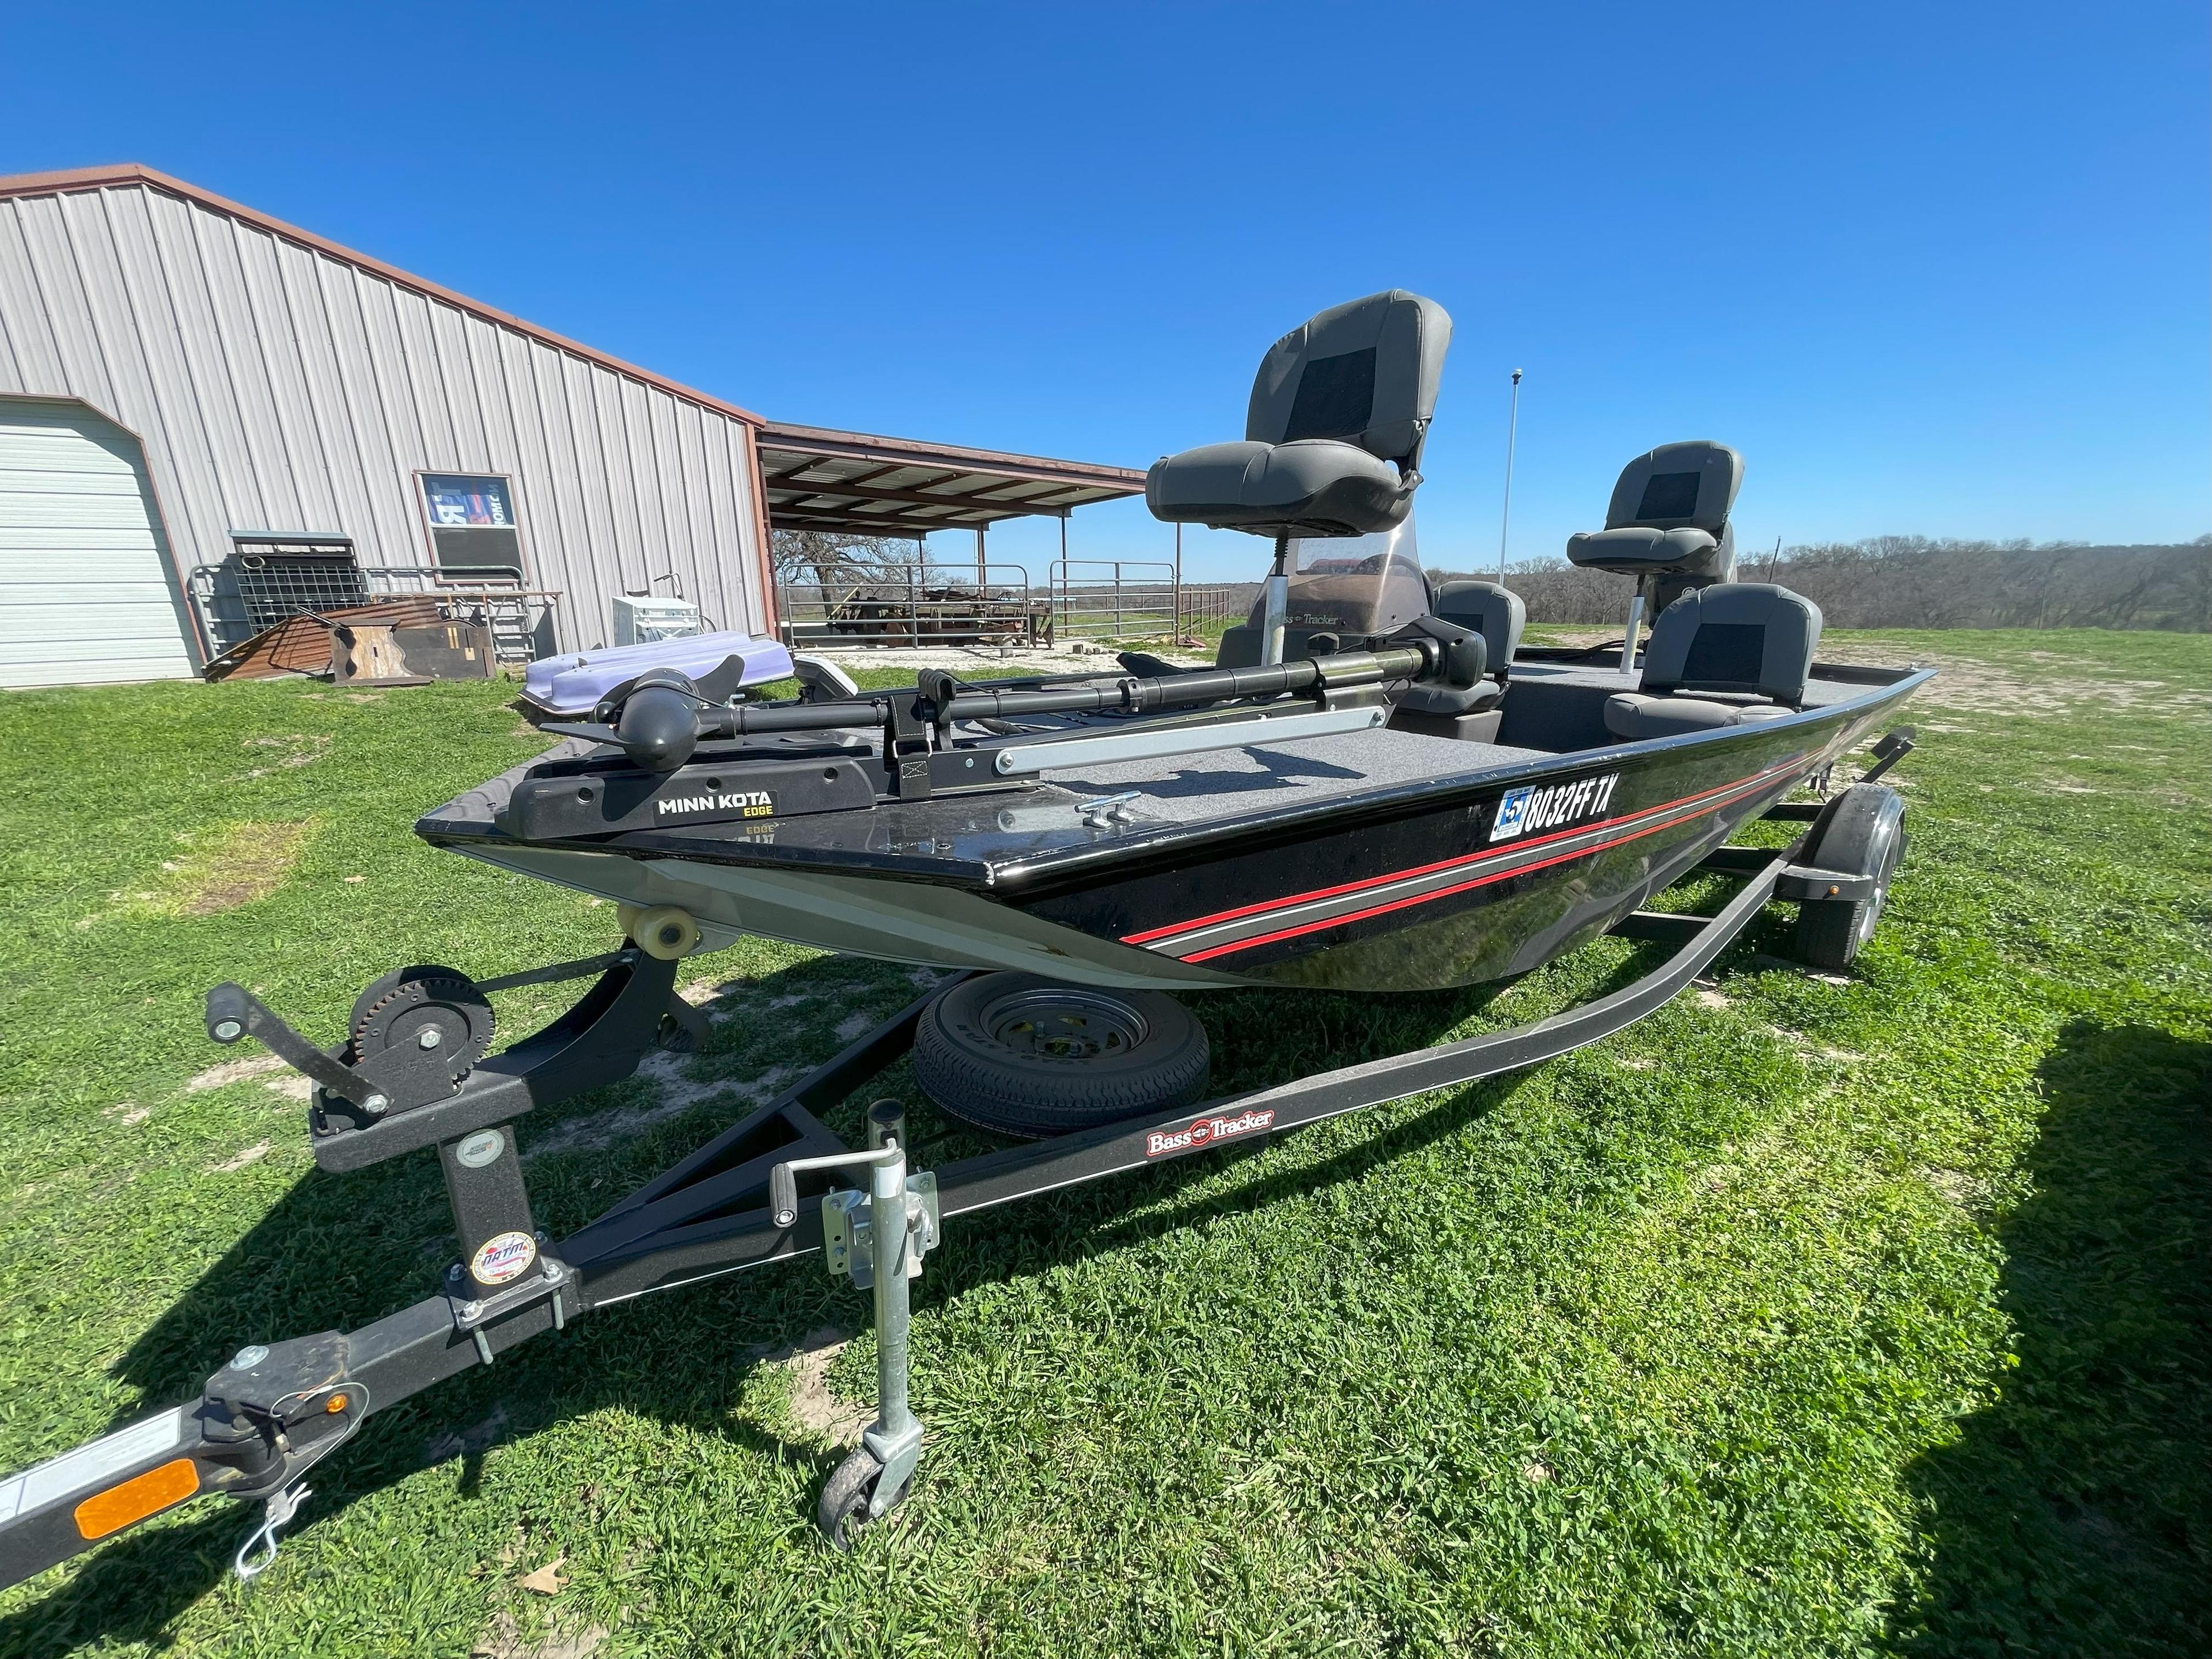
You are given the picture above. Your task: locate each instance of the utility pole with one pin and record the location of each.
(1505, 520)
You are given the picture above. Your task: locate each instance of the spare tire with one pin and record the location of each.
(1020, 1054)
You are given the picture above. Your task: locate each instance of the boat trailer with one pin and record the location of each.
(413, 1074)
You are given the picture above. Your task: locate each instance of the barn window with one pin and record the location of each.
(473, 531)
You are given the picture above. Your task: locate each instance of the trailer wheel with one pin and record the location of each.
(1863, 835)
(843, 1510)
(1024, 1055)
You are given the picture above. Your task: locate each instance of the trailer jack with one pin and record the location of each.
(877, 1239)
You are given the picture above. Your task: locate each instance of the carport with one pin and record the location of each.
(858, 484)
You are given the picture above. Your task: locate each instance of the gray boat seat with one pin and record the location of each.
(1668, 518)
(1334, 431)
(1732, 654)
(1497, 613)
(1241, 644)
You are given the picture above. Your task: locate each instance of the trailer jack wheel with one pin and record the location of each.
(848, 1500)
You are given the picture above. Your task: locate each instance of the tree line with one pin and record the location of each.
(1887, 581)
(1921, 581)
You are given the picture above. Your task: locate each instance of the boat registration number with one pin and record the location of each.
(1546, 805)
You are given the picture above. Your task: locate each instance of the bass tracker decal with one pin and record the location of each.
(1204, 1131)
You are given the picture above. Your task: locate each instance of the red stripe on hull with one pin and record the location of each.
(1366, 882)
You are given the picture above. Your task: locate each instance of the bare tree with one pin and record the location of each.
(817, 555)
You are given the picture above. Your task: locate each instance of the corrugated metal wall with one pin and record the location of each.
(280, 387)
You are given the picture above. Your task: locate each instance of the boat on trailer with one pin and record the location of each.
(1376, 788)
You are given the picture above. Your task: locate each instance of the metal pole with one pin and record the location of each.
(1505, 518)
(1178, 635)
(887, 1196)
(1275, 610)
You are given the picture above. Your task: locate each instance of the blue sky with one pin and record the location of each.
(1936, 269)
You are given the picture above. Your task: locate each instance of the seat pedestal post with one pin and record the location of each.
(1278, 605)
(1635, 626)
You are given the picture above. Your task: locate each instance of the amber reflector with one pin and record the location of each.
(137, 1498)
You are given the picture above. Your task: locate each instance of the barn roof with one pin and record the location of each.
(132, 172)
(815, 477)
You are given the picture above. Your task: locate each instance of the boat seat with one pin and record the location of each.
(1668, 521)
(1747, 647)
(1333, 434)
(1497, 613)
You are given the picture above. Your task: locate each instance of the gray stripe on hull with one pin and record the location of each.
(860, 916)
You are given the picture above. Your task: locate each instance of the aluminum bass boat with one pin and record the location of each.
(1376, 788)
(1305, 838)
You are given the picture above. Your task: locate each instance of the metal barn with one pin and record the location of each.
(207, 416)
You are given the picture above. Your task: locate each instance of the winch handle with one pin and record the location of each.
(233, 1012)
(783, 1178)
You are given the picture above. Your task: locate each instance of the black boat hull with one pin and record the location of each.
(1438, 883)
(1459, 893)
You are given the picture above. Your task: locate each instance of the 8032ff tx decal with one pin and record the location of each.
(1547, 805)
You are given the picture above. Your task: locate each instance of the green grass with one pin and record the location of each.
(1808, 1317)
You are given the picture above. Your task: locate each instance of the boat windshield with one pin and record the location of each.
(1357, 586)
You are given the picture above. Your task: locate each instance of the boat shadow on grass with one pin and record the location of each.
(337, 1252)
(2073, 1515)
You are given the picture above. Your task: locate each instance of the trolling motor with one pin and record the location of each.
(659, 777)
(659, 719)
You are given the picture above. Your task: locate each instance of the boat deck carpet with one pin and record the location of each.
(1223, 783)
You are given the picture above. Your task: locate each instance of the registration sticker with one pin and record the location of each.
(1544, 806)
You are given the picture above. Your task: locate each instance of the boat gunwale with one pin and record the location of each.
(1038, 875)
